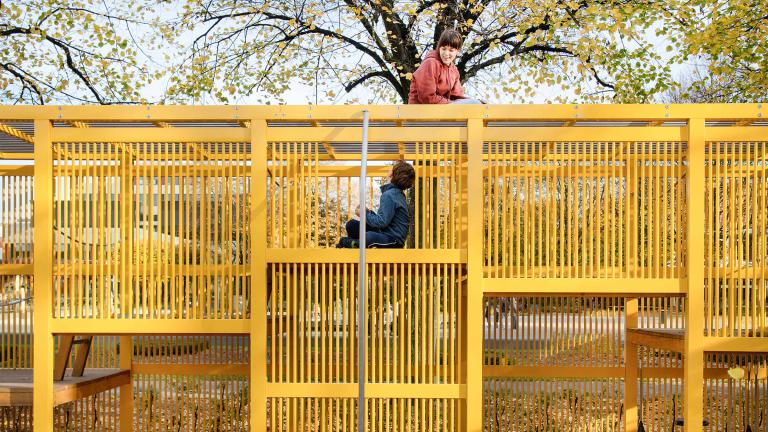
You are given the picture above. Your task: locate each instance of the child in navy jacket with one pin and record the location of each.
(388, 227)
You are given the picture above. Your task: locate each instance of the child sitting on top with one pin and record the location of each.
(388, 227)
(437, 80)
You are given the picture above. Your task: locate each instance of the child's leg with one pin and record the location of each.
(372, 238)
(467, 102)
(377, 239)
(353, 229)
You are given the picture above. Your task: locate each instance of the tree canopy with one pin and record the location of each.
(222, 51)
(596, 50)
(76, 51)
(728, 39)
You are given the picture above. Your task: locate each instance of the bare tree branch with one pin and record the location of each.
(349, 87)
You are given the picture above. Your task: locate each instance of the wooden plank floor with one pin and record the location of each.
(16, 385)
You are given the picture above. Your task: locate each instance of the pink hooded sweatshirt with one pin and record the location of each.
(434, 82)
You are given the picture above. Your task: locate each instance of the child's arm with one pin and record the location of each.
(424, 78)
(384, 216)
(457, 92)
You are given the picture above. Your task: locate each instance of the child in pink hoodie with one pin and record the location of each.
(437, 80)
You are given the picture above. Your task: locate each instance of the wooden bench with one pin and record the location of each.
(16, 387)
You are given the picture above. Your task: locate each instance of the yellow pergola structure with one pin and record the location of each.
(562, 257)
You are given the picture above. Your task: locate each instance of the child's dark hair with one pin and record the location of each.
(403, 175)
(451, 38)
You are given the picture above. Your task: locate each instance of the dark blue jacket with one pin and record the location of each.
(393, 217)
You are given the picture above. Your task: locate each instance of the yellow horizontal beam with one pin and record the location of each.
(736, 133)
(581, 286)
(401, 134)
(406, 391)
(448, 391)
(426, 256)
(373, 391)
(548, 371)
(663, 339)
(16, 269)
(280, 134)
(190, 369)
(351, 171)
(590, 134)
(193, 134)
(137, 326)
(375, 134)
(17, 156)
(17, 170)
(312, 390)
(160, 271)
(736, 344)
(575, 112)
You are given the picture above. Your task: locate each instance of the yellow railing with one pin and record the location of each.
(199, 242)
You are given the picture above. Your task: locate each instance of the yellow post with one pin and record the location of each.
(693, 358)
(126, 391)
(258, 334)
(474, 317)
(42, 411)
(630, 368)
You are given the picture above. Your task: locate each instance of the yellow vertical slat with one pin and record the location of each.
(126, 391)
(258, 223)
(694, 355)
(630, 369)
(763, 243)
(473, 377)
(42, 409)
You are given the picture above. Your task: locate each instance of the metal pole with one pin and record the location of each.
(362, 286)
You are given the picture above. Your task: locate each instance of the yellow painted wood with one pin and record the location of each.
(585, 133)
(566, 221)
(206, 369)
(144, 135)
(16, 269)
(735, 344)
(16, 170)
(596, 372)
(631, 414)
(299, 255)
(16, 133)
(149, 326)
(126, 391)
(474, 331)
(16, 387)
(235, 114)
(693, 397)
(347, 134)
(553, 372)
(664, 339)
(734, 133)
(43, 262)
(16, 156)
(372, 390)
(258, 236)
(577, 286)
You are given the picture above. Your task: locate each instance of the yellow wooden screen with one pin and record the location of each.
(197, 243)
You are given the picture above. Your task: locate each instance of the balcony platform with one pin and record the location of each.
(16, 385)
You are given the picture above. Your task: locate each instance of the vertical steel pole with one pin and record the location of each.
(362, 287)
